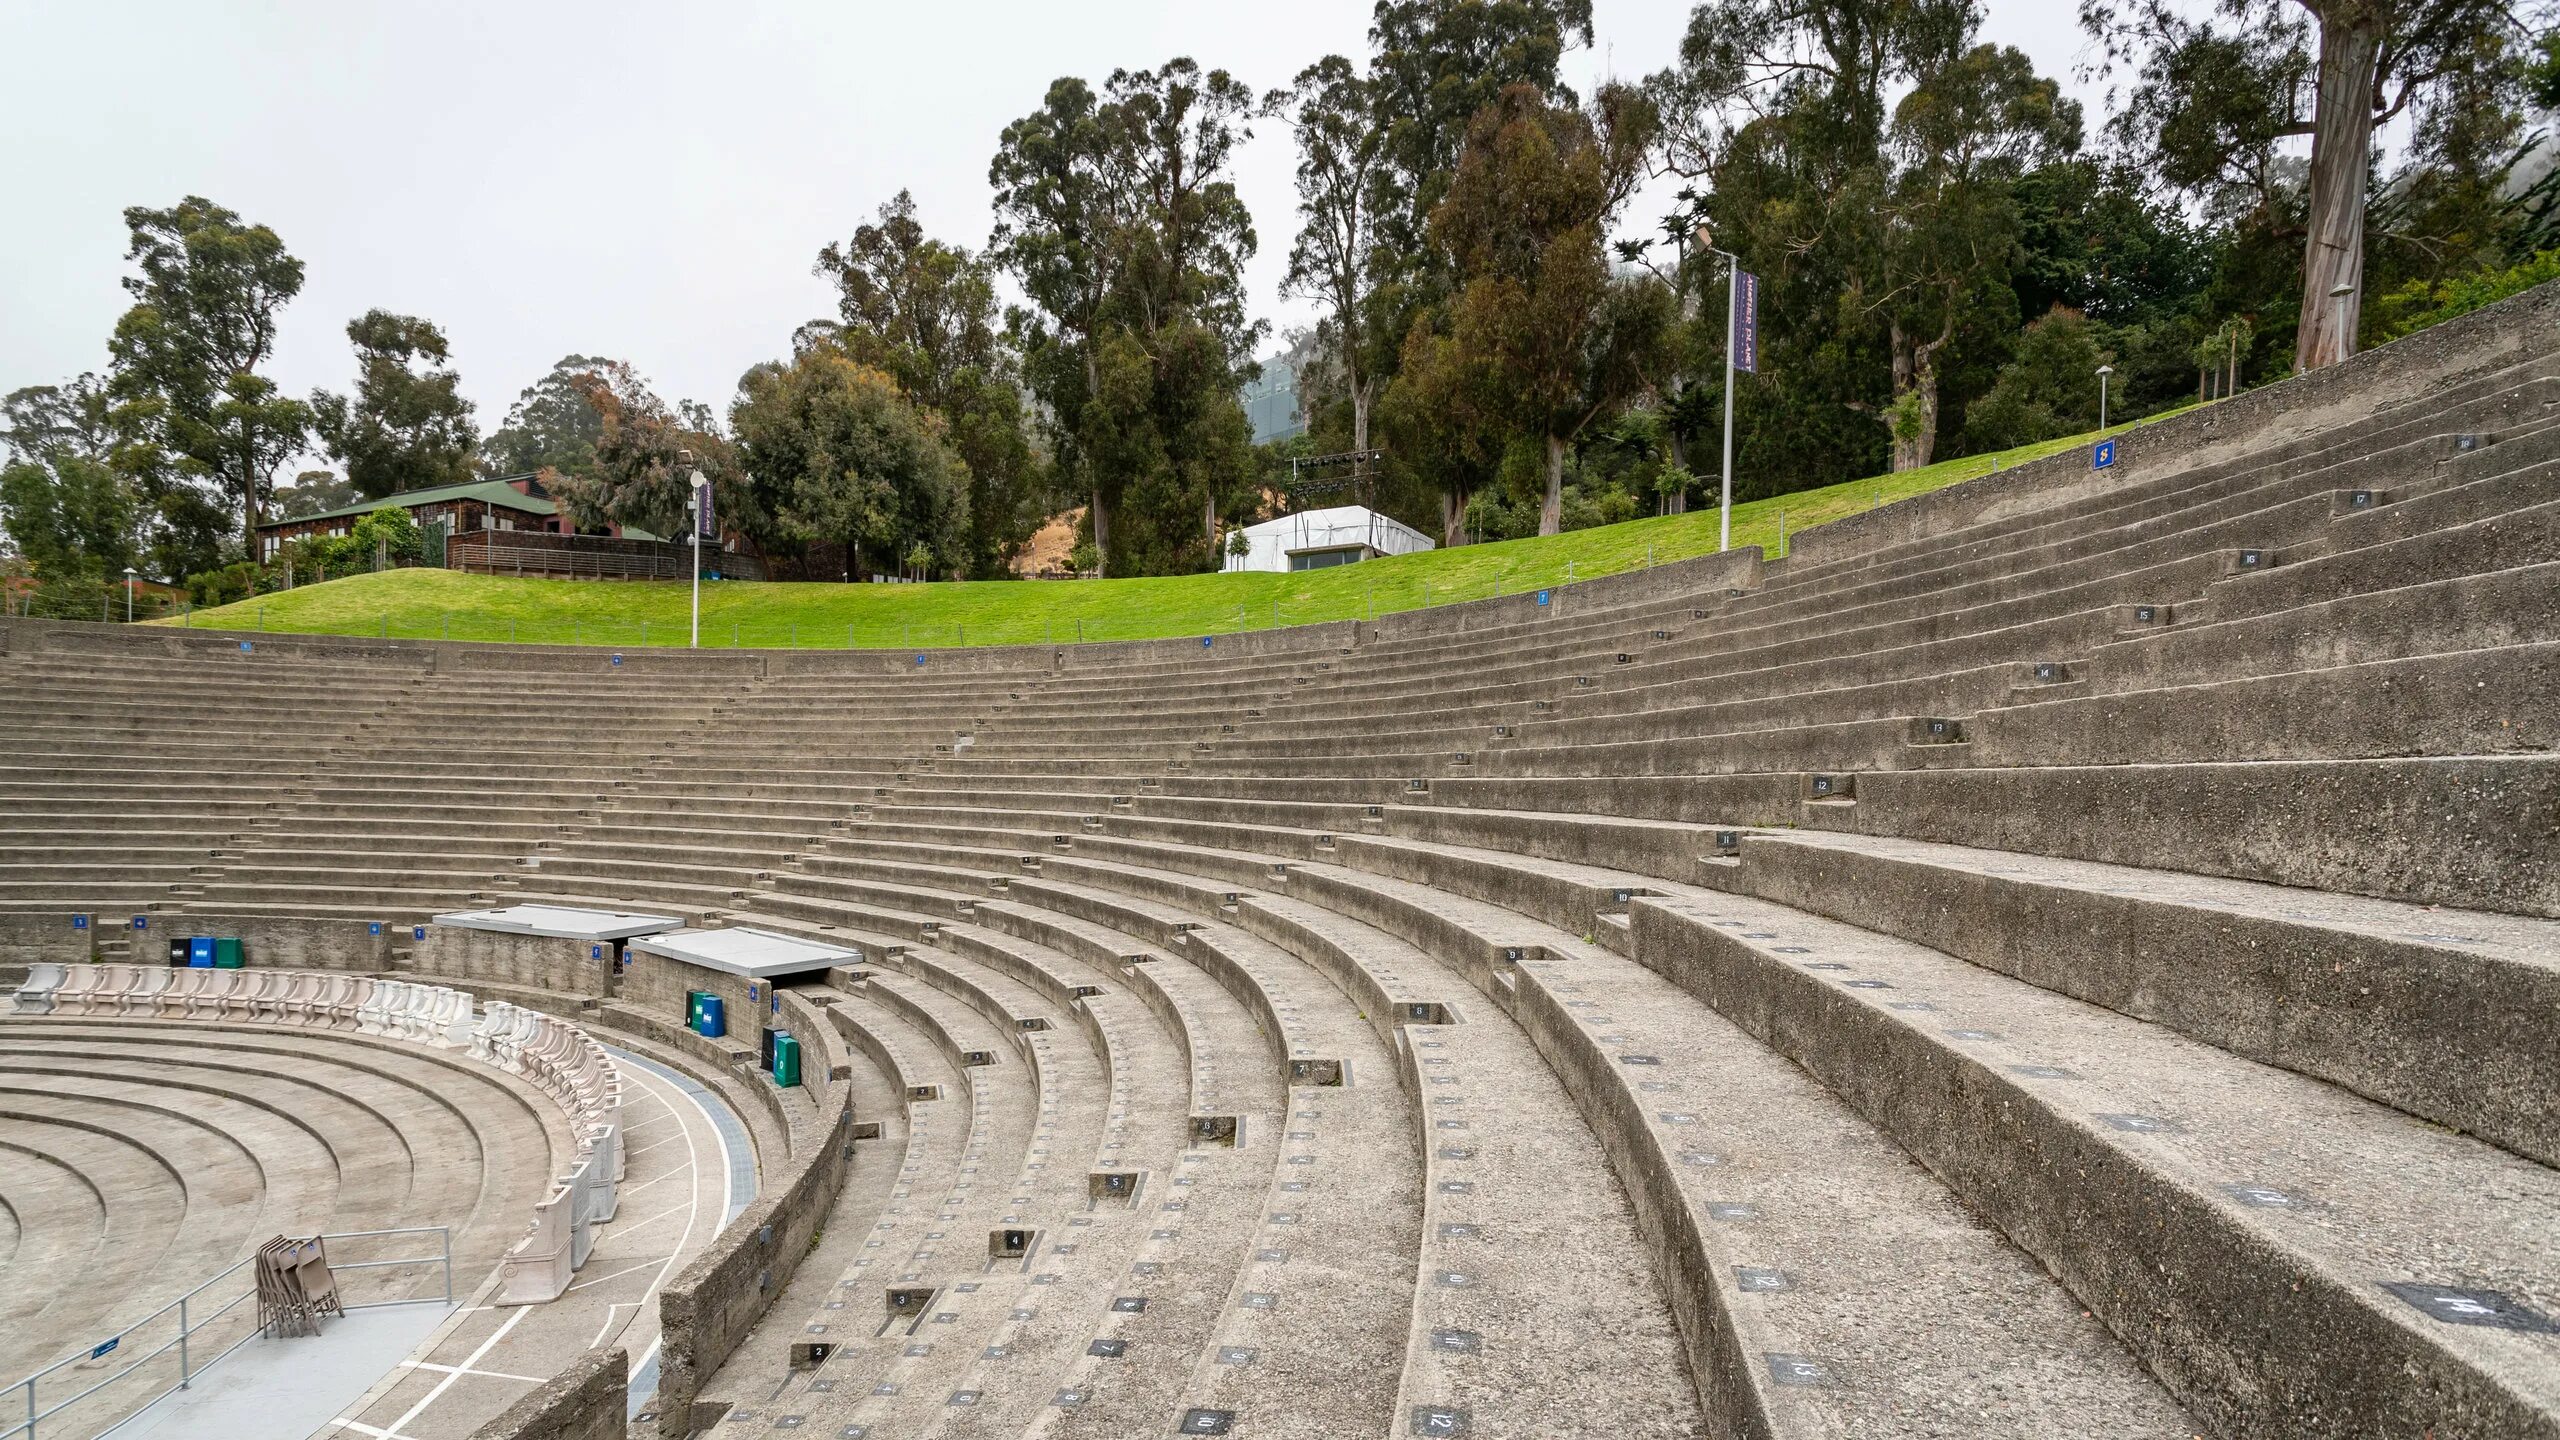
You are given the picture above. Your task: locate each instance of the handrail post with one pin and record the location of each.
(183, 1377)
(445, 1233)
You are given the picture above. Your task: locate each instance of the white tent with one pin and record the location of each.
(1317, 539)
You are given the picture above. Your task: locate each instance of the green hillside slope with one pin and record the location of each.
(435, 604)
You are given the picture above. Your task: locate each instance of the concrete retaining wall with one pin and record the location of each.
(33, 939)
(540, 962)
(586, 1401)
(708, 1309)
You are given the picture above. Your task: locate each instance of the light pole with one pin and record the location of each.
(128, 594)
(701, 522)
(2103, 372)
(2338, 294)
(1732, 323)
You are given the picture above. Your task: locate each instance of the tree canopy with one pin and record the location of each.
(1947, 251)
(1117, 213)
(405, 428)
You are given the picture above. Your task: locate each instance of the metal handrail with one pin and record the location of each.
(189, 1325)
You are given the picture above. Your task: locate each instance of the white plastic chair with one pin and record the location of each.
(78, 988)
(36, 995)
(179, 992)
(114, 982)
(373, 1010)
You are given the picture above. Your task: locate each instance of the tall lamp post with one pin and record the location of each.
(128, 594)
(1732, 323)
(2103, 372)
(701, 522)
(2338, 294)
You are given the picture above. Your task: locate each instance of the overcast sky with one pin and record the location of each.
(648, 181)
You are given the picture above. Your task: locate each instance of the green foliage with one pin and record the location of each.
(196, 424)
(1342, 124)
(925, 312)
(404, 429)
(64, 507)
(423, 602)
(2218, 90)
(1543, 337)
(239, 580)
(2419, 304)
(553, 424)
(638, 477)
(839, 453)
(1118, 215)
(392, 533)
(2049, 389)
(313, 492)
(71, 518)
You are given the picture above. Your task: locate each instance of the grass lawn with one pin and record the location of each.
(435, 604)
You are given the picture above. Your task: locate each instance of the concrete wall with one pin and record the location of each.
(280, 942)
(540, 962)
(586, 1401)
(657, 986)
(33, 938)
(708, 1309)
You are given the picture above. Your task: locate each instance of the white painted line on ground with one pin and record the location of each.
(645, 1358)
(615, 1275)
(625, 1228)
(484, 1374)
(472, 1359)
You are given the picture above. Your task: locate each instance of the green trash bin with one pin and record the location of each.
(786, 1060)
(228, 954)
(693, 1008)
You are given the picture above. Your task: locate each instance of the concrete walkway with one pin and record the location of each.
(684, 1151)
(288, 1387)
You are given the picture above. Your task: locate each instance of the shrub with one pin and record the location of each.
(2420, 304)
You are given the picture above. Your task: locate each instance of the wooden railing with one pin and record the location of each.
(587, 557)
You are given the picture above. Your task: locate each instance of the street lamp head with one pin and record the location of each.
(2106, 369)
(2341, 290)
(130, 572)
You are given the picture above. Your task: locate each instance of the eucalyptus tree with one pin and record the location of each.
(406, 427)
(2222, 89)
(192, 411)
(1118, 215)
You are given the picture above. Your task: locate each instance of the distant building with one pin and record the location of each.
(1271, 399)
(515, 502)
(509, 526)
(1322, 539)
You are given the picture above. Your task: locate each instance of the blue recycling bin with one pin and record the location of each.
(714, 1021)
(200, 952)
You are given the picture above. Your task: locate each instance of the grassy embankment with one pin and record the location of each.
(435, 604)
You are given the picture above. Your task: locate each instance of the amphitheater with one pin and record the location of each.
(2076, 954)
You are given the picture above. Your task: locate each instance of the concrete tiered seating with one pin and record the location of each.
(2077, 954)
(180, 1149)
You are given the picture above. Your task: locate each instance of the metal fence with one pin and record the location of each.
(164, 1351)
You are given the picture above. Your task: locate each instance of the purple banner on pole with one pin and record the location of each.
(1746, 323)
(702, 511)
